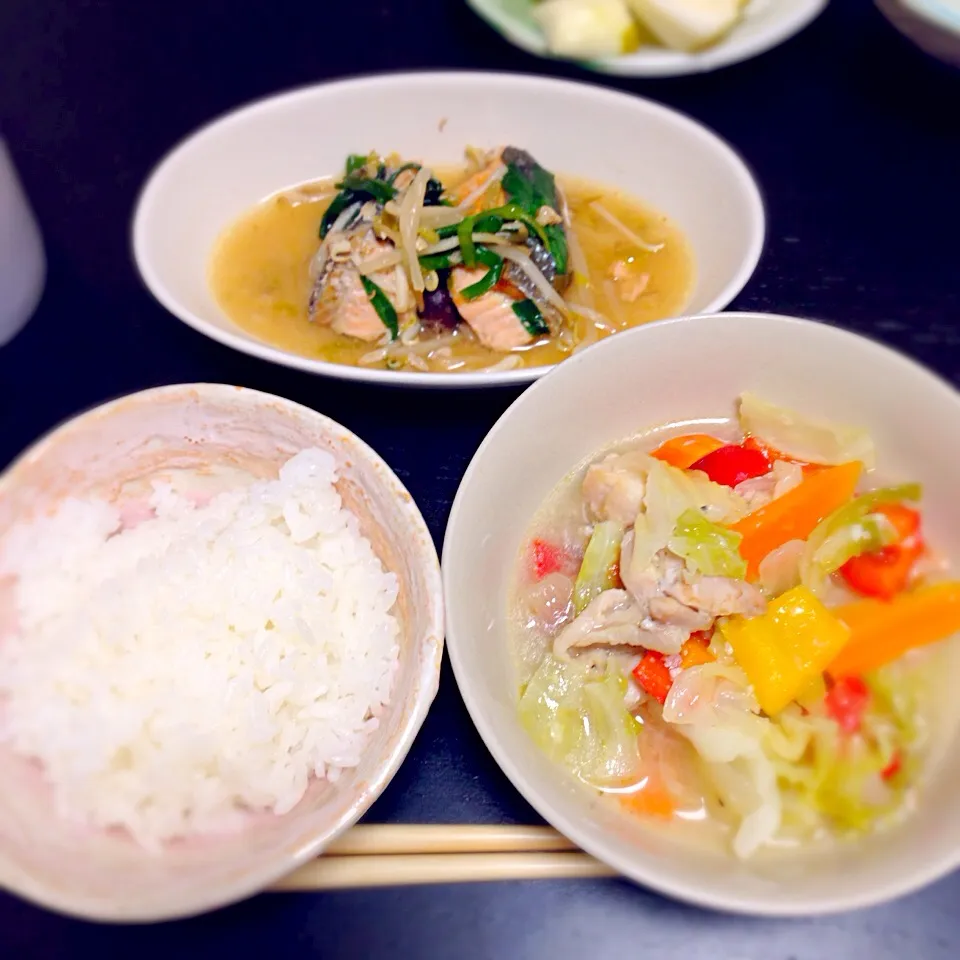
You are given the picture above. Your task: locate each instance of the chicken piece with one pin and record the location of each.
(549, 603)
(670, 596)
(672, 612)
(628, 281)
(647, 588)
(615, 619)
(614, 487)
(490, 315)
(759, 491)
(718, 596)
(706, 597)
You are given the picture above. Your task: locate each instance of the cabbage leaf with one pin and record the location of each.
(804, 438)
(713, 707)
(580, 721)
(670, 493)
(707, 547)
(850, 531)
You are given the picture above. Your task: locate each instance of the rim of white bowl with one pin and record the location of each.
(731, 50)
(754, 210)
(934, 12)
(411, 719)
(712, 899)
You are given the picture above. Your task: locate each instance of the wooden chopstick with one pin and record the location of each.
(419, 838)
(375, 855)
(351, 872)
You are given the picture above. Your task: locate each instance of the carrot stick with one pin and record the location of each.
(794, 515)
(881, 631)
(684, 451)
(694, 653)
(652, 800)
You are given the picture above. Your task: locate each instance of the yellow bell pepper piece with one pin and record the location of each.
(786, 649)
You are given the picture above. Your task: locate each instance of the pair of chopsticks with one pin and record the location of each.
(405, 854)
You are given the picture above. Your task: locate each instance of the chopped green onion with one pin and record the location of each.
(530, 316)
(396, 173)
(490, 279)
(356, 162)
(465, 237)
(450, 230)
(490, 221)
(513, 211)
(382, 305)
(436, 261)
(851, 531)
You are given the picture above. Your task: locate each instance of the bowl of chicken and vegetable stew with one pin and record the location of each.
(711, 634)
(464, 246)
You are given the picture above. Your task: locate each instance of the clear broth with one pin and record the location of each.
(697, 819)
(259, 276)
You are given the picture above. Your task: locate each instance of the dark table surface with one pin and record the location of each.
(855, 137)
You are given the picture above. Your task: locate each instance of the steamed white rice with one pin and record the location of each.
(203, 663)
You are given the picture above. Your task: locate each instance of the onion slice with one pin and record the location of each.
(601, 211)
(409, 218)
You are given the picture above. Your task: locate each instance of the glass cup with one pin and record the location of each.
(22, 263)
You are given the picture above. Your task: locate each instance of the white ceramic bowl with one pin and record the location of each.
(105, 876)
(662, 157)
(765, 25)
(667, 372)
(933, 25)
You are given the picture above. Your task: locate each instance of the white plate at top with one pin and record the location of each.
(765, 25)
(933, 25)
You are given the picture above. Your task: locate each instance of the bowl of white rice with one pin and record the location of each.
(221, 624)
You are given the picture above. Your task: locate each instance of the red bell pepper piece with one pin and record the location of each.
(653, 676)
(547, 558)
(905, 520)
(893, 767)
(733, 464)
(886, 572)
(846, 702)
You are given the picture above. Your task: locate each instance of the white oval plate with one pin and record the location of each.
(660, 156)
(765, 25)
